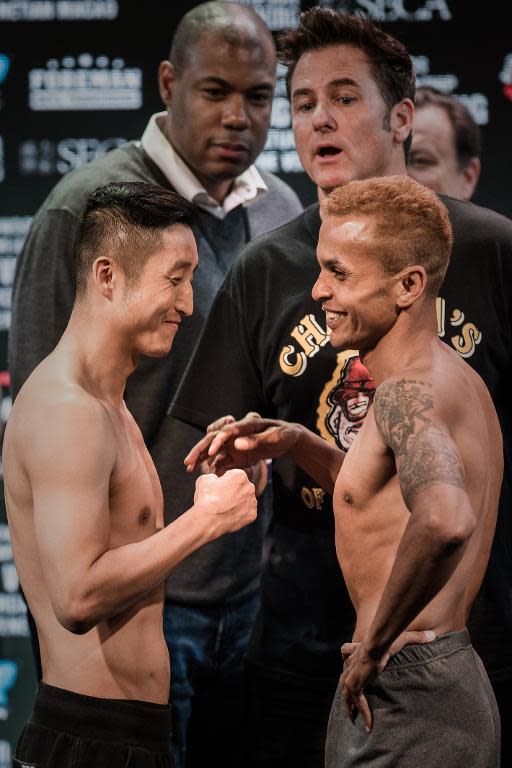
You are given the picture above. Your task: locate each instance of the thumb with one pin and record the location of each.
(412, 637)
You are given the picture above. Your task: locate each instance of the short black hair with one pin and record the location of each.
(318, 28)
(468, 138)
(238, 24)
(126, 219)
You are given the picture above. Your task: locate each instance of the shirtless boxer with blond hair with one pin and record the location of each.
(84, 501)
(416, 496)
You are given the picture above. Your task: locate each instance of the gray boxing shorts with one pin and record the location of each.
(432, 707)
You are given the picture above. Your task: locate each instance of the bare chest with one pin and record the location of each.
(368, 504)
(136, 502)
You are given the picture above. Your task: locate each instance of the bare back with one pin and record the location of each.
(79, 481)
(446, 399)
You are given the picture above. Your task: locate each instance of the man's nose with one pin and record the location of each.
(323, 119)
(320, 289)
(235, 112)
(185, 304)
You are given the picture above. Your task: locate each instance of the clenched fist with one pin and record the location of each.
(225, 503)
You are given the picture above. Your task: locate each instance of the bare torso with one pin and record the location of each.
(371, 515)
(125, 656)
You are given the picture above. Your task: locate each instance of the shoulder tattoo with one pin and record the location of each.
(425, 454)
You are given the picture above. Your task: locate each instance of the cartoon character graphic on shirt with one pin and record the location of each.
(349, 401)
(345, 400)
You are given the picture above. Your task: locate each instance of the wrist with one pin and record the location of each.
(298, 434)
(375, 647)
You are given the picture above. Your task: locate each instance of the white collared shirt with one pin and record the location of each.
(246, 187)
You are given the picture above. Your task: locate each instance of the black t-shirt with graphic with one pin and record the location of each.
(265, 348)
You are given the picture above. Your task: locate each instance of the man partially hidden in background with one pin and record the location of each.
(446, 145)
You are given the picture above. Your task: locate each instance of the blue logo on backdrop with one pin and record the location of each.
(4, 67)
(8, 675)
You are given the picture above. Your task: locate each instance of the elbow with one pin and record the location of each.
(451, 533)
(75, 616)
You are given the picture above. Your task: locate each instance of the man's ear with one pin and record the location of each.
(166, 81)
(103, 275)
(401, 120)
(471, 175)
(411, 284)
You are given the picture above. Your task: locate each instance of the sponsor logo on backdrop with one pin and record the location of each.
(50, 157)
(5, 63)
(277, 14)
(5, 754)
(279, 154)
(8, 675)
(395, 10)
(13, 611)
(13, 230)
(85, 82)
(476, 103)
(60, 10)
(505, 76)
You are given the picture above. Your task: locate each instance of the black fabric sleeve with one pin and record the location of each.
(223, 376)
(43, 292)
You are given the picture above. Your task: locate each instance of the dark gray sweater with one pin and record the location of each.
(43, 297)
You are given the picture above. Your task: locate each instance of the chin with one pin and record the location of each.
(341, 344)
(160, 350)
(329, 180)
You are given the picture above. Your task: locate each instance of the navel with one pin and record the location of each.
(347, 498)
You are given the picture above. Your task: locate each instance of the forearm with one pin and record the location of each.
(317, 458)
(121, 577)
(424, 563)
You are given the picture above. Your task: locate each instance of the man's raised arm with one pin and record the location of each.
(243, 443)
(70, 472)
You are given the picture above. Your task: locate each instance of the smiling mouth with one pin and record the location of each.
(334, 315)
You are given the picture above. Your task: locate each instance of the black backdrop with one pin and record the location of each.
(77, 77)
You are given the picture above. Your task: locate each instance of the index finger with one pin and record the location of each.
(241, 428)
(363, 707)
(199, 452)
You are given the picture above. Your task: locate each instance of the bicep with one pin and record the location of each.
(69, 475)
(425, 453)
(430, 460)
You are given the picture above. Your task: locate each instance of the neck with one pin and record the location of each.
(409, 344)
(101, 360)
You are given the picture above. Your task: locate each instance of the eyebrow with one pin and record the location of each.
(333, 264)
(332, 84)
(224, 84)
(181, 264)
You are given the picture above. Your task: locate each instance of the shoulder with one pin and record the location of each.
(476, 224)
(278, 186)
(399, 402)
(296, 240)
(70, 194)
(53, 413)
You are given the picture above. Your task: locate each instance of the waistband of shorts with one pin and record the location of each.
(422, 653)
(138, 723)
